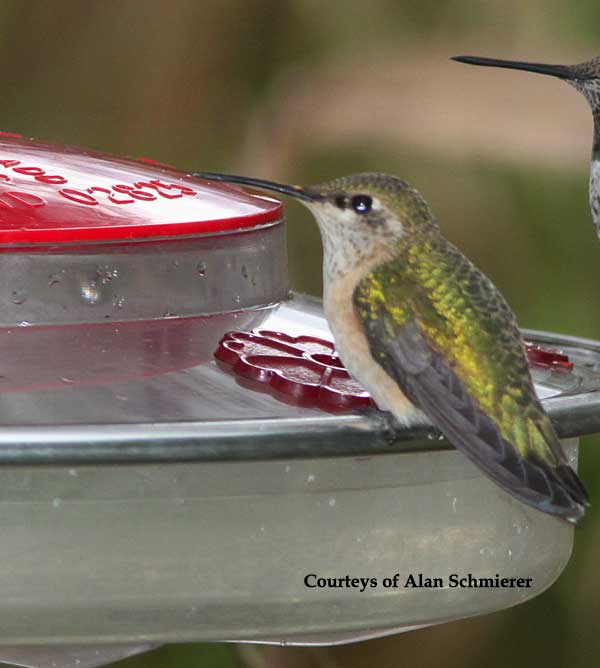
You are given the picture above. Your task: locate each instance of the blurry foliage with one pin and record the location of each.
(208, 655)
(187, 82)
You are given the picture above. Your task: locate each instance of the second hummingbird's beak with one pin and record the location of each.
(293, 191)
(560, 71)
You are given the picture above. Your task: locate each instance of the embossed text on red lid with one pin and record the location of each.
(52, 194)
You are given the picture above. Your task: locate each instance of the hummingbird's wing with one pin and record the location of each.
(444, 333)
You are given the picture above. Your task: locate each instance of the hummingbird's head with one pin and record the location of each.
(360, 216)
(585, 77)
(365, 211)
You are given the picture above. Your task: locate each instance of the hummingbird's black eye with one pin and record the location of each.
(362, 203)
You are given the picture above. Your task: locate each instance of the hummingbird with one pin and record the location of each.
(585, 77)
(429, 336)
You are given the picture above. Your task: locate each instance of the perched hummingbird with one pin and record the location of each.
(429, 336)
(585, 77)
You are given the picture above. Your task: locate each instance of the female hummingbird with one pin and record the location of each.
(429, 336)
(585, 77)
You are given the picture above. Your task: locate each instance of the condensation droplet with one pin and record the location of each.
(18, 297)
(24, 323)
(119, 302)
(201, 269)
(53, 279)
(332, 502)
(106, 273)
(310, 478)
(90, 292)
(56, 502)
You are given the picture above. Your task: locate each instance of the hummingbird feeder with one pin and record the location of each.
(182, 454)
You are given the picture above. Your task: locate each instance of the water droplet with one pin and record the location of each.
(18, 297)
(175, 263)
(24, 323)
(168, 314)
(332, 502)
(310, 478)
(106, 273)
(201, 269)
(244, 272)
(56, 502)
(238, 299)
(288, 468)
(73, 472)
(90, 292)
(53, 279)
(119, 302)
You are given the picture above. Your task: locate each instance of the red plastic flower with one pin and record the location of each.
(543, 357)
(305, 369)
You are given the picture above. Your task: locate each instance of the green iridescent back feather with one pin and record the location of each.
(463, 317)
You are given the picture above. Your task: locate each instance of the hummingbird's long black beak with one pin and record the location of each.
(293, 191)
(560, 71)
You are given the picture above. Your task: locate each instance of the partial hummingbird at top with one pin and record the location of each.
(585, 77)
(429, 336)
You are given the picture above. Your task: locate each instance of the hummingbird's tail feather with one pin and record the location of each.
(552, 489)
(571, 480)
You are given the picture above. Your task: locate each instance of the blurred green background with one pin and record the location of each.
(304, 90)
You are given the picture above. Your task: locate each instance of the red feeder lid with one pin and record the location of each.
(53, 194)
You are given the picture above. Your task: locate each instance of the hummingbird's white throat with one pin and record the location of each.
(349, 239)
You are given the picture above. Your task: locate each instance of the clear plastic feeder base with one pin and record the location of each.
(205, 510)
(182, 552)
